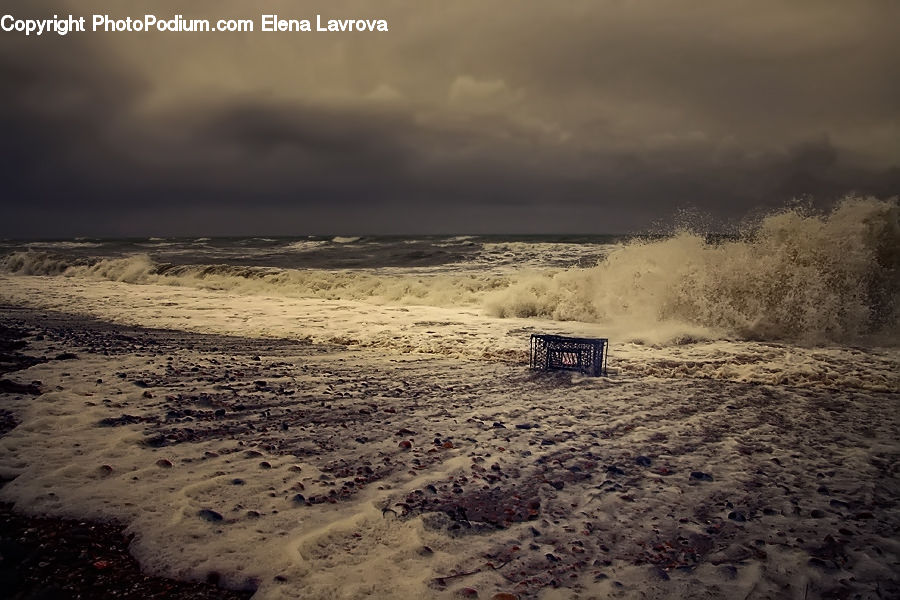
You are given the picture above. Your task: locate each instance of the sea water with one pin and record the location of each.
(777, 342)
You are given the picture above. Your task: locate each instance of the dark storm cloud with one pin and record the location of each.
(601, 116)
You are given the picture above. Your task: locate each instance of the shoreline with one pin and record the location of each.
(262, 446)
(48, 558)
(53, 558)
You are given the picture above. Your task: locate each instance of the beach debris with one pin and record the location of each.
(557, 352)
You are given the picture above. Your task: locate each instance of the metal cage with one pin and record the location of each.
(585, 355)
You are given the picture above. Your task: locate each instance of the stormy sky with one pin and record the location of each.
(586, 116)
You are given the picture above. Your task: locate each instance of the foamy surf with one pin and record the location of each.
(374, 432)
(795, 276)
(298, 470)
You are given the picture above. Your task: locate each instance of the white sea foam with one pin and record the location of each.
(674, 309)
(63, 244)
(64, 464)
(306, 245)
(796, 276)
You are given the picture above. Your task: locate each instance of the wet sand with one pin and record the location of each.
(278, 466)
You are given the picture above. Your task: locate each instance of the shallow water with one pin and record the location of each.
(767, 364)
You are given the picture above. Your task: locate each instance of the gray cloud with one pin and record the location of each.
(600, 116)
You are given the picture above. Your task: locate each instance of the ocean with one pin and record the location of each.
(793, 276)
(371, 395)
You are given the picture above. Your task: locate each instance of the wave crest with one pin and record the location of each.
(797, 275)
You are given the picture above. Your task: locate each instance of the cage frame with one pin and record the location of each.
(551, 352)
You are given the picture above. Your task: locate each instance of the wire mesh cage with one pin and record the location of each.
(555, 352)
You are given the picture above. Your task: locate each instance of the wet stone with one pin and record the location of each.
(209, 515)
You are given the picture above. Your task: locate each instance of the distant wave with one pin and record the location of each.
(64, 245)
(305, 245)
(438, 290)
(794, 276)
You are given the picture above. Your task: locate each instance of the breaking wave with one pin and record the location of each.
(364, 285)
(795, 275)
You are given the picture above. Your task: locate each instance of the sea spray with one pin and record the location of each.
(797, 275)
